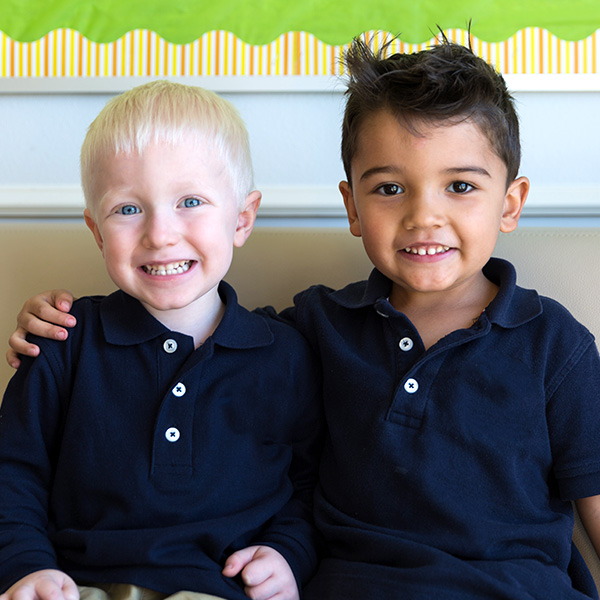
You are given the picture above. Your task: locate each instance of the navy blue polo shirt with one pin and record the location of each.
(448, 473)
(127, 456)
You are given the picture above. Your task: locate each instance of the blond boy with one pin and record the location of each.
(169, 444)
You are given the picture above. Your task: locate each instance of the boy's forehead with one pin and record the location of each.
(190, 147)
(185, 164)
(384, 128)
(383, 139)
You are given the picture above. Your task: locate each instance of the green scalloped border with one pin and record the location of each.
(261, 21)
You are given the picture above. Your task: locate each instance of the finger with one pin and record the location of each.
(237, 561)
(19, 345)
(12, 358)
(70, 590)
(61, 299)
(26, 592)
(46, 312)
(52, 326)
(257, 572)
(48, 589)
(49, 307)
(56, 586)
(272, 591)
(265, 591)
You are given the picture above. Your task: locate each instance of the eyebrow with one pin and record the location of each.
(451, 171)
(468, 169)
(378, 170)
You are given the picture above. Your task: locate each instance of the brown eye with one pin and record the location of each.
(390, 189)
(460, 187)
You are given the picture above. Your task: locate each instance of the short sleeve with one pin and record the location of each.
(573, 414)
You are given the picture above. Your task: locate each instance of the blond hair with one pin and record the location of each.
(167, 112)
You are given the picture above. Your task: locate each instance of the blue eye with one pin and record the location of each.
(191, 202)
(128, 209)
(390, 189)
(460, 187)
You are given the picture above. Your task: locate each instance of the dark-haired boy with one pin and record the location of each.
(462, 410)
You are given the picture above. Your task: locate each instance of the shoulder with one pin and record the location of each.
(560, 322)
(58, 358)
(558, 344)
(320, 307)
(259, 330)
(87, 306)
(87, 333)
(540, 325)
(322, 297)
(282, 356)
(562, 334)
(283, 333)
(85, 309)
(526, 310)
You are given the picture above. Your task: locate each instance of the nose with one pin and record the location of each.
(160, 230)
(424, 209)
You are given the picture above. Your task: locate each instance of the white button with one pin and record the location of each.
(411, 386)
(172, 434)
(170, 346)
(406, 344)
(179, 390)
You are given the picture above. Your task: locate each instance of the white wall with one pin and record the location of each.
(295, 142)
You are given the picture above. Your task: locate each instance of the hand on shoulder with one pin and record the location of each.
(46, 315)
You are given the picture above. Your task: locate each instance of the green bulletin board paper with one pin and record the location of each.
(332, 21)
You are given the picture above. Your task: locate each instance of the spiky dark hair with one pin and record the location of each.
(445, 83)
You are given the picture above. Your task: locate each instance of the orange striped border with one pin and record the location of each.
(65, 53)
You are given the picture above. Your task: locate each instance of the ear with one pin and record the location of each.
(89, 221)
(514, 200)
(247, 218)
(346, 191)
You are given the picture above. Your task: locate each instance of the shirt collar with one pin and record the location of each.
(357, 295)
(512, 306)
(126, 322)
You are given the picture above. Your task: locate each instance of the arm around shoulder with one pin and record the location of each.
(46, 315)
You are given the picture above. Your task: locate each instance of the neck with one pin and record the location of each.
(435, 315)
(199, 319)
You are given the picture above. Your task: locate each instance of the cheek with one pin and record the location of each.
(379, 230)
(212, 233)
(479, 219)
(380, 244)
(115, 251)
(480, 235)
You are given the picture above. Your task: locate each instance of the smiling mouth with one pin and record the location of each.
(174, 268)
(426, 250)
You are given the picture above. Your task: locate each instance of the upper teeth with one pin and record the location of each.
(168, 269)
(424, 250)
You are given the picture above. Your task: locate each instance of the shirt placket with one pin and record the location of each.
(173, 434)
(416, 369)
